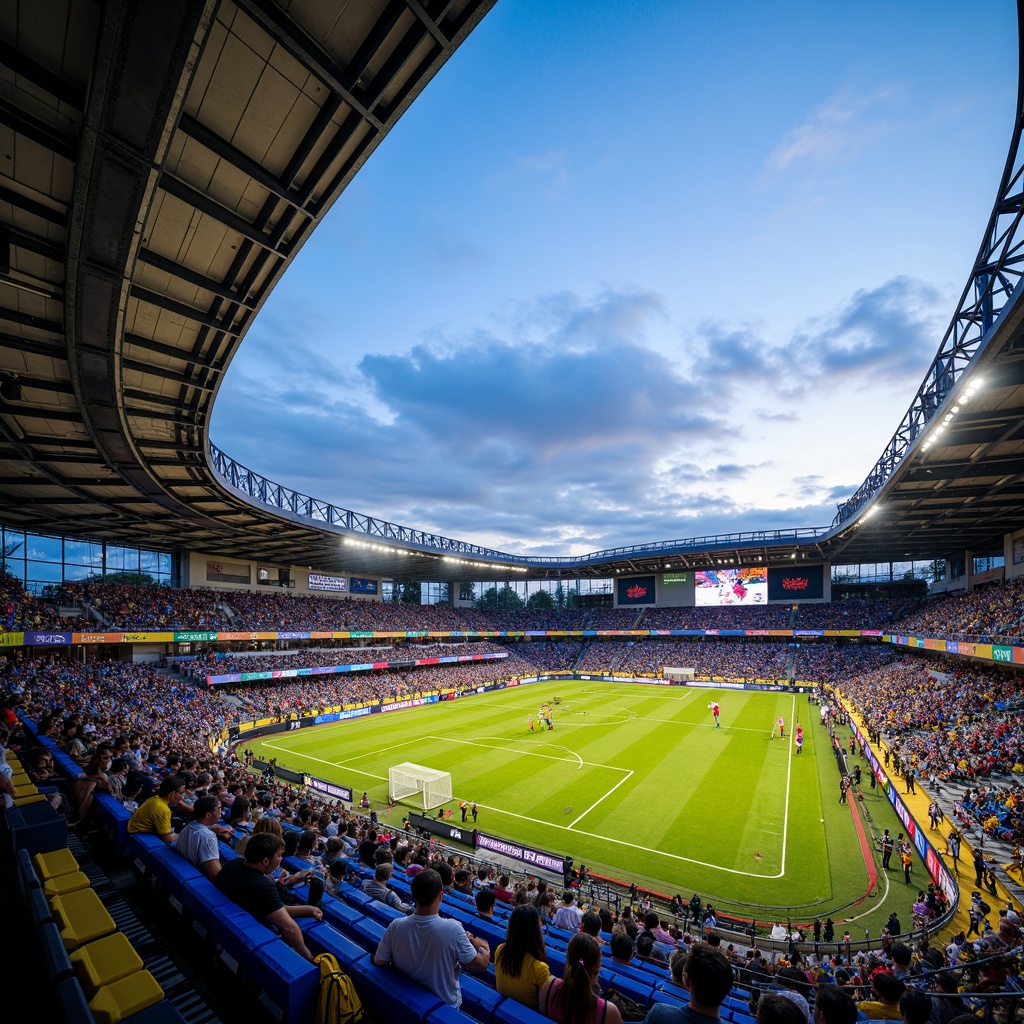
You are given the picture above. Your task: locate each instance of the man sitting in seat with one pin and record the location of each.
(198, 840)
(249, 884)
(154, 815)
(431, 949)
(377, 888)
(707, 976)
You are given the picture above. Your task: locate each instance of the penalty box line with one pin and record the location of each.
(627, 772)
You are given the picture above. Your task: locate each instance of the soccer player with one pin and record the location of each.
(781, 723)
(531, 723)
(714, 711)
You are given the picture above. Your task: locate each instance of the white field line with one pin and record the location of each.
(529, 753)
(631, 845)
(789, 776)
(331, 764)
(578, 831)
(572, 824)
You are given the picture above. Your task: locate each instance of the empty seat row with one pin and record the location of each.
(96, 975)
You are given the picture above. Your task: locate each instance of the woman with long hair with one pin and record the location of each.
(521, 961)
(574, 999)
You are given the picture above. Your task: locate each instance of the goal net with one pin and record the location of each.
(409, 780)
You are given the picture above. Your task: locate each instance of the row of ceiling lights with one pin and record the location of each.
(388, 549)
(956, 407)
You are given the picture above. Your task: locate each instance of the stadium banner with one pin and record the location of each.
(331, 789)
(331, 584)
(634, 590)
(411, 702)
(341, 716)
(523, 854)
(440, 827)
(933, 862)
(15, 639)
(37, 639)
(320, 670)
(1001, 653)
(803, 583)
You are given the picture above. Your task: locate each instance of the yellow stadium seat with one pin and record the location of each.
(56, 862)
(114, 1002)
(105, 961)
(61, 885)
(81, 917)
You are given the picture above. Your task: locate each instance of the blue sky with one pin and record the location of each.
(630, 272)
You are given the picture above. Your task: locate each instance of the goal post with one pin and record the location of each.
(409, 780)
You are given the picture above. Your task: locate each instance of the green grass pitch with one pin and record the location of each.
(634, 781)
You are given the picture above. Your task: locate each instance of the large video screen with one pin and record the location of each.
(804, 583)
(635, 590)
(748, 585)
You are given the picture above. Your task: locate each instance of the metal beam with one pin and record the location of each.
(216, 145)
(208, 284)
(204, 204)
(36, 209)
(182, 309)
(39, 132)
(284, 31)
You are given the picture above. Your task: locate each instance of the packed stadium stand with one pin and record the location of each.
(144, 223)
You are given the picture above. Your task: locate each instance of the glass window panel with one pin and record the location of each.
(44, 549)
(84, 552)
(47, 572)
(78, 572)
(12, 538)
(122, 559)
(165, 563)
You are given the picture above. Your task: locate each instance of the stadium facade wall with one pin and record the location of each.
(231, 574)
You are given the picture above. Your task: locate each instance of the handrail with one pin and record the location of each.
(323, 513)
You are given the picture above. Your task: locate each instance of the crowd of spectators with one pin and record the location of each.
(216, 663)
(954, 723)
(992, 613)
(709, 659)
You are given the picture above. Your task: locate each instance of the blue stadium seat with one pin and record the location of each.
(479, 1001)
(638, 990)
(382, 913)
(53, 953)
(446, 1014)
(72, 1006)
(202, 901)
(164, 1012)
(323, 938)
(661, 996)
(285, 979)
(354, 897)
(236, 934)
(340, 915)
(368, 933)
(391, 996)
(114, 818)
(511, 1012)
(36, 827)
(556, 961)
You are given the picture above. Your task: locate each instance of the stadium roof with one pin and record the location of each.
(163, 163)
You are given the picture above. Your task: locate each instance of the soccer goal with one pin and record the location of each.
(406, 780)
